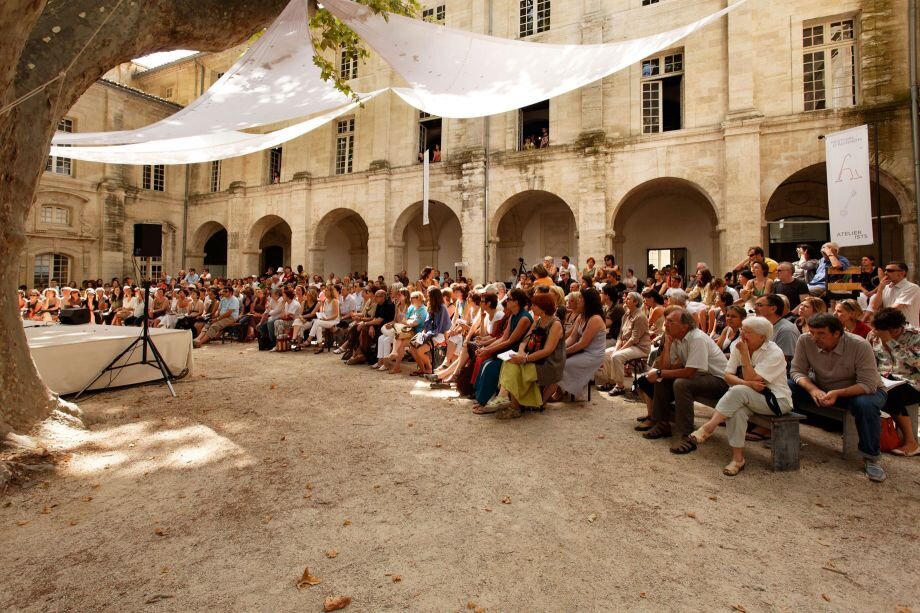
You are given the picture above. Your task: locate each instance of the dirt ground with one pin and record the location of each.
(399, 497)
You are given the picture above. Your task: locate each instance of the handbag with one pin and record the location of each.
(890, 437)
(282, 344)
(403, 332)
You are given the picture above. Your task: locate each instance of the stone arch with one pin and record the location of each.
(532, 224)
(802, 197)
(340, 243)
(439, 244)
(209, 249)
(204, 233)
(270, 237)
(666, 220)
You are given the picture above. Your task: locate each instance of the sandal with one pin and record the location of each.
(658, 431)
(508, 413)
(733, 468)
(481, 410)
(643, 418)
(755, 437)
(699, 436)
(685, 446)
(441, 385)
(645, 426)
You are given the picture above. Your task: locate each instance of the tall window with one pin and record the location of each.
(662, 93)
(55, 215)
(50, 266)
(534, 123)
(274, 164)
(156, 267)
(829, 64)
(435, 14)
(215, 176)
(647, 2)
(348, 65)
(169, 93)
(534, 17)
(344, 145)
(429, 136)
(154, 177)
(59, 165)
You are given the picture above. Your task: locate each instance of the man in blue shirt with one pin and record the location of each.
(830, 259)
(227, 314)
(192, 277)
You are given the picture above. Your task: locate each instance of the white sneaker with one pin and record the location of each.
(273, 349)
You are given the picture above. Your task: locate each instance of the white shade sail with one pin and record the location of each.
(460, 74)
(276, 80)
(199, 148)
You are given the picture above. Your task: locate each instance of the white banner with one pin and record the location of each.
(425, 188)
(849, 199)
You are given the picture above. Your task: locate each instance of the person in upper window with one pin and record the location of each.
(436, 154)
(544, 138)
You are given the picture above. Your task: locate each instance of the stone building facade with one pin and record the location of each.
(691, 155)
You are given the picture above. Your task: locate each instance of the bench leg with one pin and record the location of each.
(786, 445)
(912, 412)
(850, 437)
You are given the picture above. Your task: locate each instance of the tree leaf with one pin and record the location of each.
(307, 580)
(334, 603)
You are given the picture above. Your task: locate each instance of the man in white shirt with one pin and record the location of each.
(266, 330)
(897, 292)
(690, 365)
(567, 265)
(291, 310)
(192, 277)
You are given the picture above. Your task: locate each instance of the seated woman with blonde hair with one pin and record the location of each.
(414, 318)
(850, 315)
(538, 362)
(807, 308)
(326, 319)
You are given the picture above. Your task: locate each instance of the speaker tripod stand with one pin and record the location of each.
(147, 348)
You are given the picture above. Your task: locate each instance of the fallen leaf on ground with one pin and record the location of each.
(739, 608)
(592, 518)
(7, 504)
(347, 522)
(713, 498)
(470, 605)
(309, 486)
(272, 386)
(282, 437)
(487, 509)
(73, 522)
(902, 608)
(691, 514)
(164, 570)
(411, 424)
(826, 597)
(601, 437)
(334, 603)
(87, 498)
(506, 500)
(307, 580)
(267, 519)
(397, 578)
(160, 532)
(331, 553)
(438, 445)
(47, 509)
(22, 522)
(642, 595)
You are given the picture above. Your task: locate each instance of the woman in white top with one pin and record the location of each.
(388, 332)
(326, 319)
(761, 388)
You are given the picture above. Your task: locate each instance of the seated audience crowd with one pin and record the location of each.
(766, 338)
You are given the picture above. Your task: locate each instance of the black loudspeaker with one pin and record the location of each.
(74, 317)
(148, 240)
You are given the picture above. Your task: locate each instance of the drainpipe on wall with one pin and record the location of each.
(915, 129)
(486, 126)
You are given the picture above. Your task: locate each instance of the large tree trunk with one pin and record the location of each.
(38, 42)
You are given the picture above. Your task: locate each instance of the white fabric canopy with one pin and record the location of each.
(274, 81)
(202, 148)
(455, 73)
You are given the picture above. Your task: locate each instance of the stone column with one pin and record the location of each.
(741, 210)
(473, 220)
(115, 246)
(592, 95)
(591, 215)
(375, 216)
(242, 258)
(741, 58)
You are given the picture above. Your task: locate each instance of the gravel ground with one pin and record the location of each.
(399, 497)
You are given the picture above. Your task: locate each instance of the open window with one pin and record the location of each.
(534, 122)
(662, 92)
(668, 256)
(429, 137)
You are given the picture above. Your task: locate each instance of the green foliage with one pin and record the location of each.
(330, 34)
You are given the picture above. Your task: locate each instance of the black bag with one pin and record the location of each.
(465, 374)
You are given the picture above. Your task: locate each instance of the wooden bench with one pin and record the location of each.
(844, 280)
(850, 436)
(785, 441)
